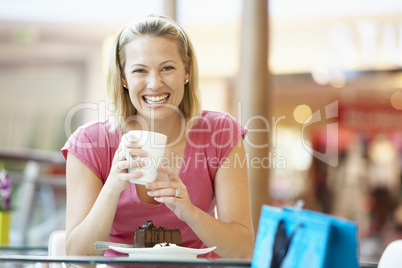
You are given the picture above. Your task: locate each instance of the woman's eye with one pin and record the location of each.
(167, 68)
(138, 71)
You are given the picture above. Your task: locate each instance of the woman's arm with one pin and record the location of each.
(233, 233)
(91, 206)
(90, 209)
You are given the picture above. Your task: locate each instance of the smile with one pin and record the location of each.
(156, 99)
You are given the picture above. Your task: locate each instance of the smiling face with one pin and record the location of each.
(155, 76)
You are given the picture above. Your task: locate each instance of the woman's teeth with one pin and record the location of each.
(156, 99)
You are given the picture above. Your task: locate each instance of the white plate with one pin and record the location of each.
(170, 252)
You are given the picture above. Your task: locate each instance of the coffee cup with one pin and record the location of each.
(154, 144)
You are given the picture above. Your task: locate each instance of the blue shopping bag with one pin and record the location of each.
(291, 238)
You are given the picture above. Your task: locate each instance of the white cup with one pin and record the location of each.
(154, 144)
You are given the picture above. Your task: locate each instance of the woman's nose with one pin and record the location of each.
(154, 81)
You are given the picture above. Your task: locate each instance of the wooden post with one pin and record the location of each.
(254, 100)
(170, 9)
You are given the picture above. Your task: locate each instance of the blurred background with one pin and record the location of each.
(343, 55)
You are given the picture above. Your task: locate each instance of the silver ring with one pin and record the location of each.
(177, 194)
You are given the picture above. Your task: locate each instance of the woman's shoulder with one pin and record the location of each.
(212, 114)
(92, 125)
(215, 119)
(94, 144)
(93, 134)
(96, 128)
(213, 125)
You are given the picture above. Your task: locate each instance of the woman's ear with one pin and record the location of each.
(187, 74)
(124, 82)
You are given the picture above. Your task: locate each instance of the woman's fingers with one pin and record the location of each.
(126, 164)
(131, 148)
(173, 182)
(128, 156)
(133, 153)
(167, 192)
(171, 173)
(134, 176)
(173, 193)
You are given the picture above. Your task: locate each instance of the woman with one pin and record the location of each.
(153, 82)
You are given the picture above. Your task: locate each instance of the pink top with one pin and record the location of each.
(209, 142)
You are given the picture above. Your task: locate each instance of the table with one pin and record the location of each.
(20, 260)
(43, 261)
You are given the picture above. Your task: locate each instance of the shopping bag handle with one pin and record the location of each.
(281, 244)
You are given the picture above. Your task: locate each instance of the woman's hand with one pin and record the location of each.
(119, 178)
(173, 193)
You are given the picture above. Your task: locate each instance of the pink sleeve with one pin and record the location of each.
(228, 132)
(212, 139)
(87, 145)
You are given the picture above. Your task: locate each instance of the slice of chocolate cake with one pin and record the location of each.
(148, 236)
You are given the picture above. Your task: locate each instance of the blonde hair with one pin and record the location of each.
(158, 26)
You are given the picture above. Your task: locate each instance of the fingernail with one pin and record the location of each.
(148, 186)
